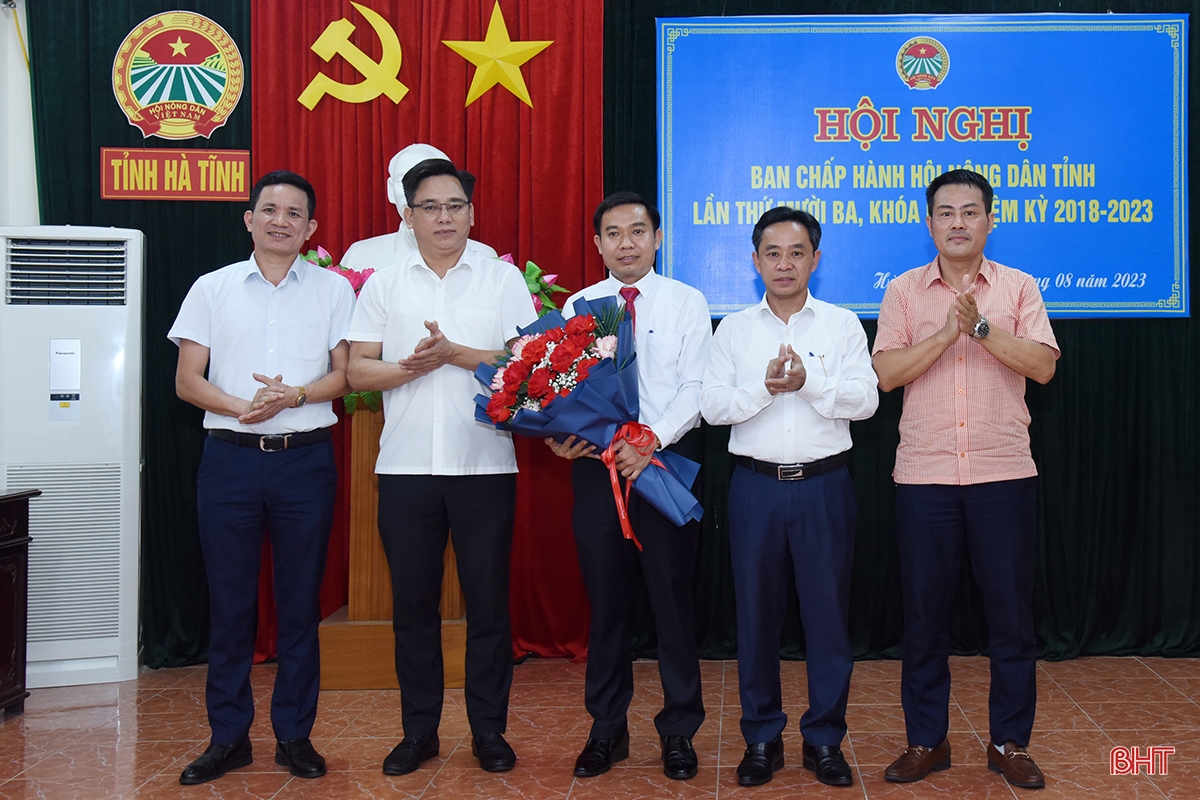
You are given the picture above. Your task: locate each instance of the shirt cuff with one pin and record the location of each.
(760, 395)
(814, 381)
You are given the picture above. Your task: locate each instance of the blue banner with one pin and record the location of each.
(1078, 122)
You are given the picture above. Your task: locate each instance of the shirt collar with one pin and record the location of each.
(416, 260)
(933, 272)
(296, 269)
(764, 308)
(645, 284)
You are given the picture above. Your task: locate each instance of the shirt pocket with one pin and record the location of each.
(662, 349)
(307, 342)
(475, 327)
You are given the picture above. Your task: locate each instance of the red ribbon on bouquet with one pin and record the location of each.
(644, 441)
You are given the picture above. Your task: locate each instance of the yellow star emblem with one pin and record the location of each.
(179, 46)
(498, 59)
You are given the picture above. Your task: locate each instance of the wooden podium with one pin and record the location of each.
(357, 645)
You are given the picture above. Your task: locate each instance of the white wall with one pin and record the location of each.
(18, 178)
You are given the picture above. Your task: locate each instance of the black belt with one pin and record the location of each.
(795, 472)
(272, 442)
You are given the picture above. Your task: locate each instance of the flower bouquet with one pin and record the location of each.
(578, 377)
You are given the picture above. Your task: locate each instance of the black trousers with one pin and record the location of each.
(996, 523)
(416, 515)
(608, 562)
(241, 493)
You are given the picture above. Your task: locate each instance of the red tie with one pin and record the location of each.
(629, 293)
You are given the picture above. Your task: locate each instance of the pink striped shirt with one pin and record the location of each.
(965, 420)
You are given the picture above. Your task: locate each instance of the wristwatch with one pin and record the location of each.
(303, 398)
(982, 328)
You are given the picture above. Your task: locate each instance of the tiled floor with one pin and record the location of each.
(132, 739)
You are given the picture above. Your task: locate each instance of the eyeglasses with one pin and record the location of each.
(431, 209)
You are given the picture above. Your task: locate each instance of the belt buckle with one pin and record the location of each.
(277, 439)
(790, 472)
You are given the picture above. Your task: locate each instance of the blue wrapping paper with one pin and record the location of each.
(599, 405)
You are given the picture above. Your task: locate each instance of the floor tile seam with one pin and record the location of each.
(143, 784)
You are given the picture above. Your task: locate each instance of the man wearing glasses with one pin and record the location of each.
(419, 331)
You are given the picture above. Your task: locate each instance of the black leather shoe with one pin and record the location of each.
(599, 755)
(829, 764)
(216, 761)
(412, 752)
(678, 757)
(760, 762)
(493, 752)
(299, 756)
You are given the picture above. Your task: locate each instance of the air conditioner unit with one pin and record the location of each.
(70, 425)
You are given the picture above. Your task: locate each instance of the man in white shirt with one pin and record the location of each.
(789, 374)
(392, 248)
(418, 334)
(267, 463)
(672, 331)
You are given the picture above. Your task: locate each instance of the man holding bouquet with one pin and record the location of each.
(672, 332)
(419, 331)
(789, 374)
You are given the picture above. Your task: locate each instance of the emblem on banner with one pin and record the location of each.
(178, 75)
(922, 63)
(379, 77)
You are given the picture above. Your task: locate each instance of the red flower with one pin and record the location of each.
(555, 335)
(534, 351)
(564, 355)
(516, 374)
(582, 324)
(497, 409)
(584, 367)
(539, 383)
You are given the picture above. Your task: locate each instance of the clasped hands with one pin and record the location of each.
(785, 372)
(430, 353)
(273, 397)
(963, 315)
(629, 462)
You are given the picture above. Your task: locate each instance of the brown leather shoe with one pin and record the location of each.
(916, 762)
(1016, 766)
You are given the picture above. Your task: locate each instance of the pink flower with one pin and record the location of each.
(537, 303)
(606, 346)
(323, 254)
(508, 257)
(498, 380)
(549, 279)
(519, 345)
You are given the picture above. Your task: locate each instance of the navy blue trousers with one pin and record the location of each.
(609, 564)
(416, 516)
(243, 492)
(996, 523)
(806, 526)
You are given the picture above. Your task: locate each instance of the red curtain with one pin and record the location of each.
(540, 173)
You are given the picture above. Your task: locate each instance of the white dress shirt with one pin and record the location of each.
(251, 326)
(390, 249)
(429, 423)
(793, 427)
(672, 337)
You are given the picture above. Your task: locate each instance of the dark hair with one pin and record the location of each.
(282, 176)
(431, 168)
(959, 177)
(787, 214)
(617, 199)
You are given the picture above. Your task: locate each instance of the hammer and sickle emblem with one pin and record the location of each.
(378, 78)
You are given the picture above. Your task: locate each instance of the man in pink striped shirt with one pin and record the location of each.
(961, 335)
